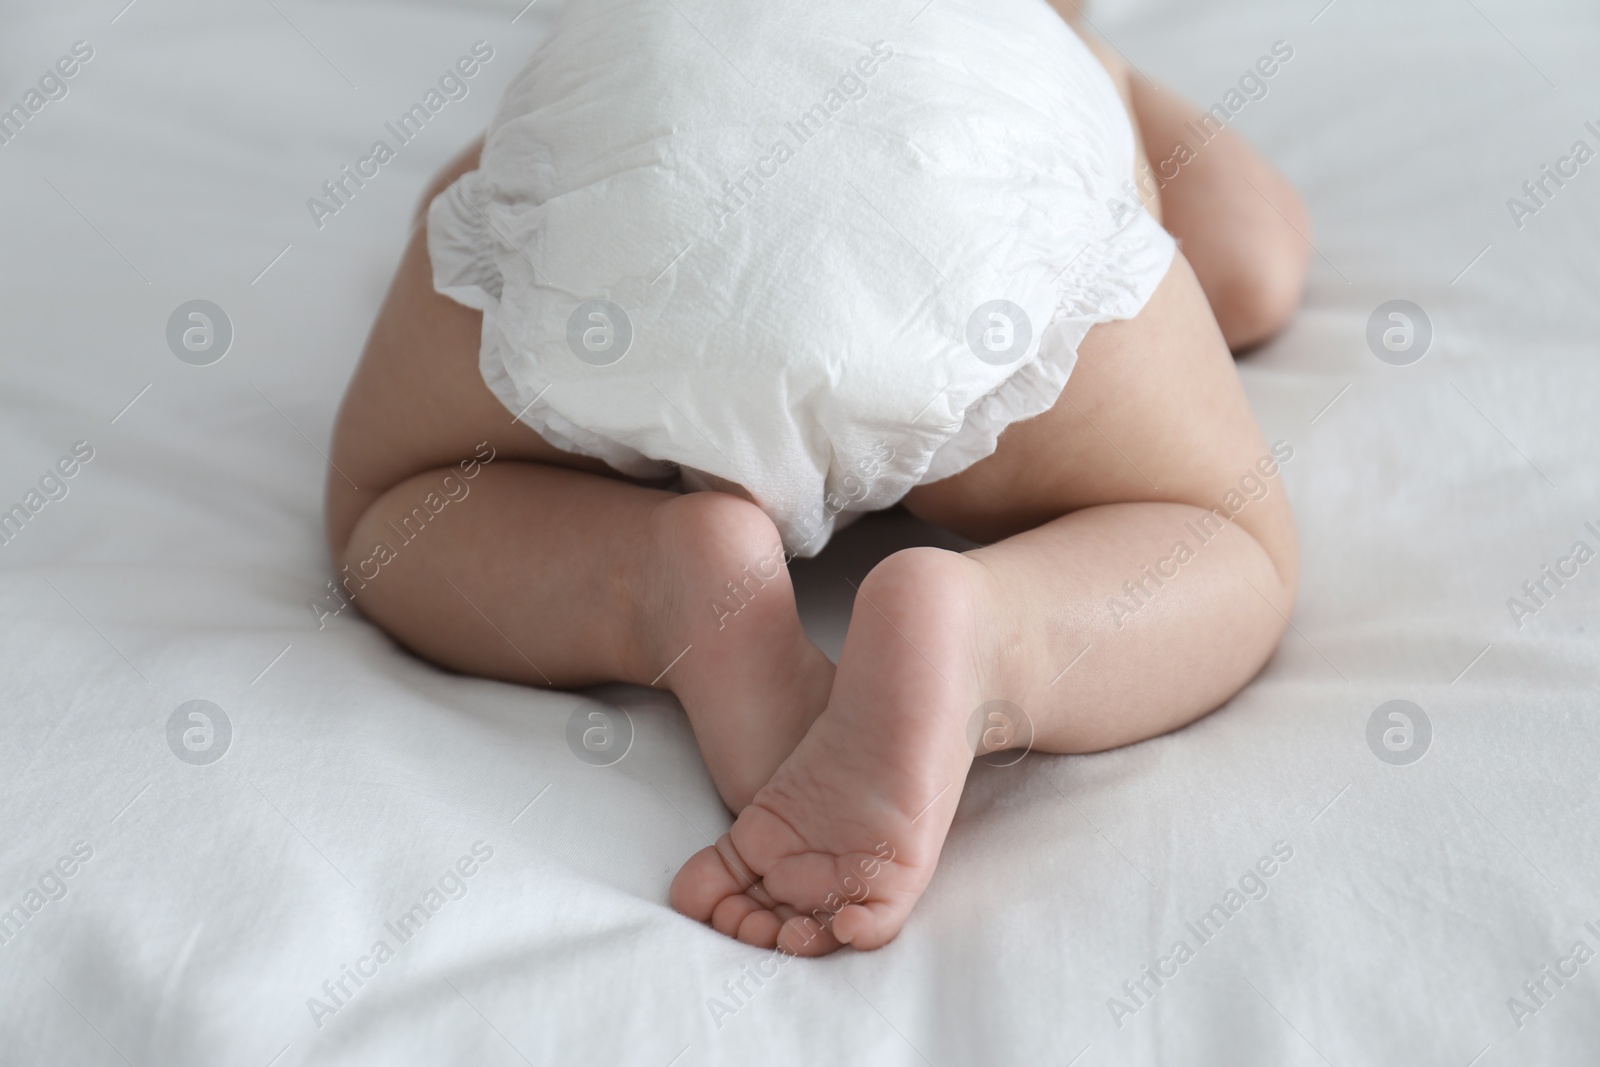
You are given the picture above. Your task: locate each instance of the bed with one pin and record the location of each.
(219, 801)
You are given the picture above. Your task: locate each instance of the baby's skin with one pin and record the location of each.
(1138, 566)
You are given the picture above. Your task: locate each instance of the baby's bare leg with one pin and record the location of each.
(1152, 430)
(1242, 225)
(1105, 544)
(546, 568)
(1113, 605)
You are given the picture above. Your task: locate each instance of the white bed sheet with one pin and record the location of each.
(219, 898)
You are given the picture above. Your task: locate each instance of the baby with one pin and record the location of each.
(721, 278)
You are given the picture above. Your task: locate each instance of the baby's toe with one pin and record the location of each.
(708, 878)
(869, 925)
(729, 915)
(802, 935)
(760, 929)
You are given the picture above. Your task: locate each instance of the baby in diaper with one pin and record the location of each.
(720, 279)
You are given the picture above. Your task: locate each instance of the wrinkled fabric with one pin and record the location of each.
(800, 223)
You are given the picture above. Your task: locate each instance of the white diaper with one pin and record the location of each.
(813, 253)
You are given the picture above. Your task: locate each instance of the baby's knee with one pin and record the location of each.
(342, 508)
(723, 527)
(1270, 523)
(1255, 297)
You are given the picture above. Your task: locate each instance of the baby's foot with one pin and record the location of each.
(842, 841)
(721, 631)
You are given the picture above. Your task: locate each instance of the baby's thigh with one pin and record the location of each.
(1153, 411)
(417, 400)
